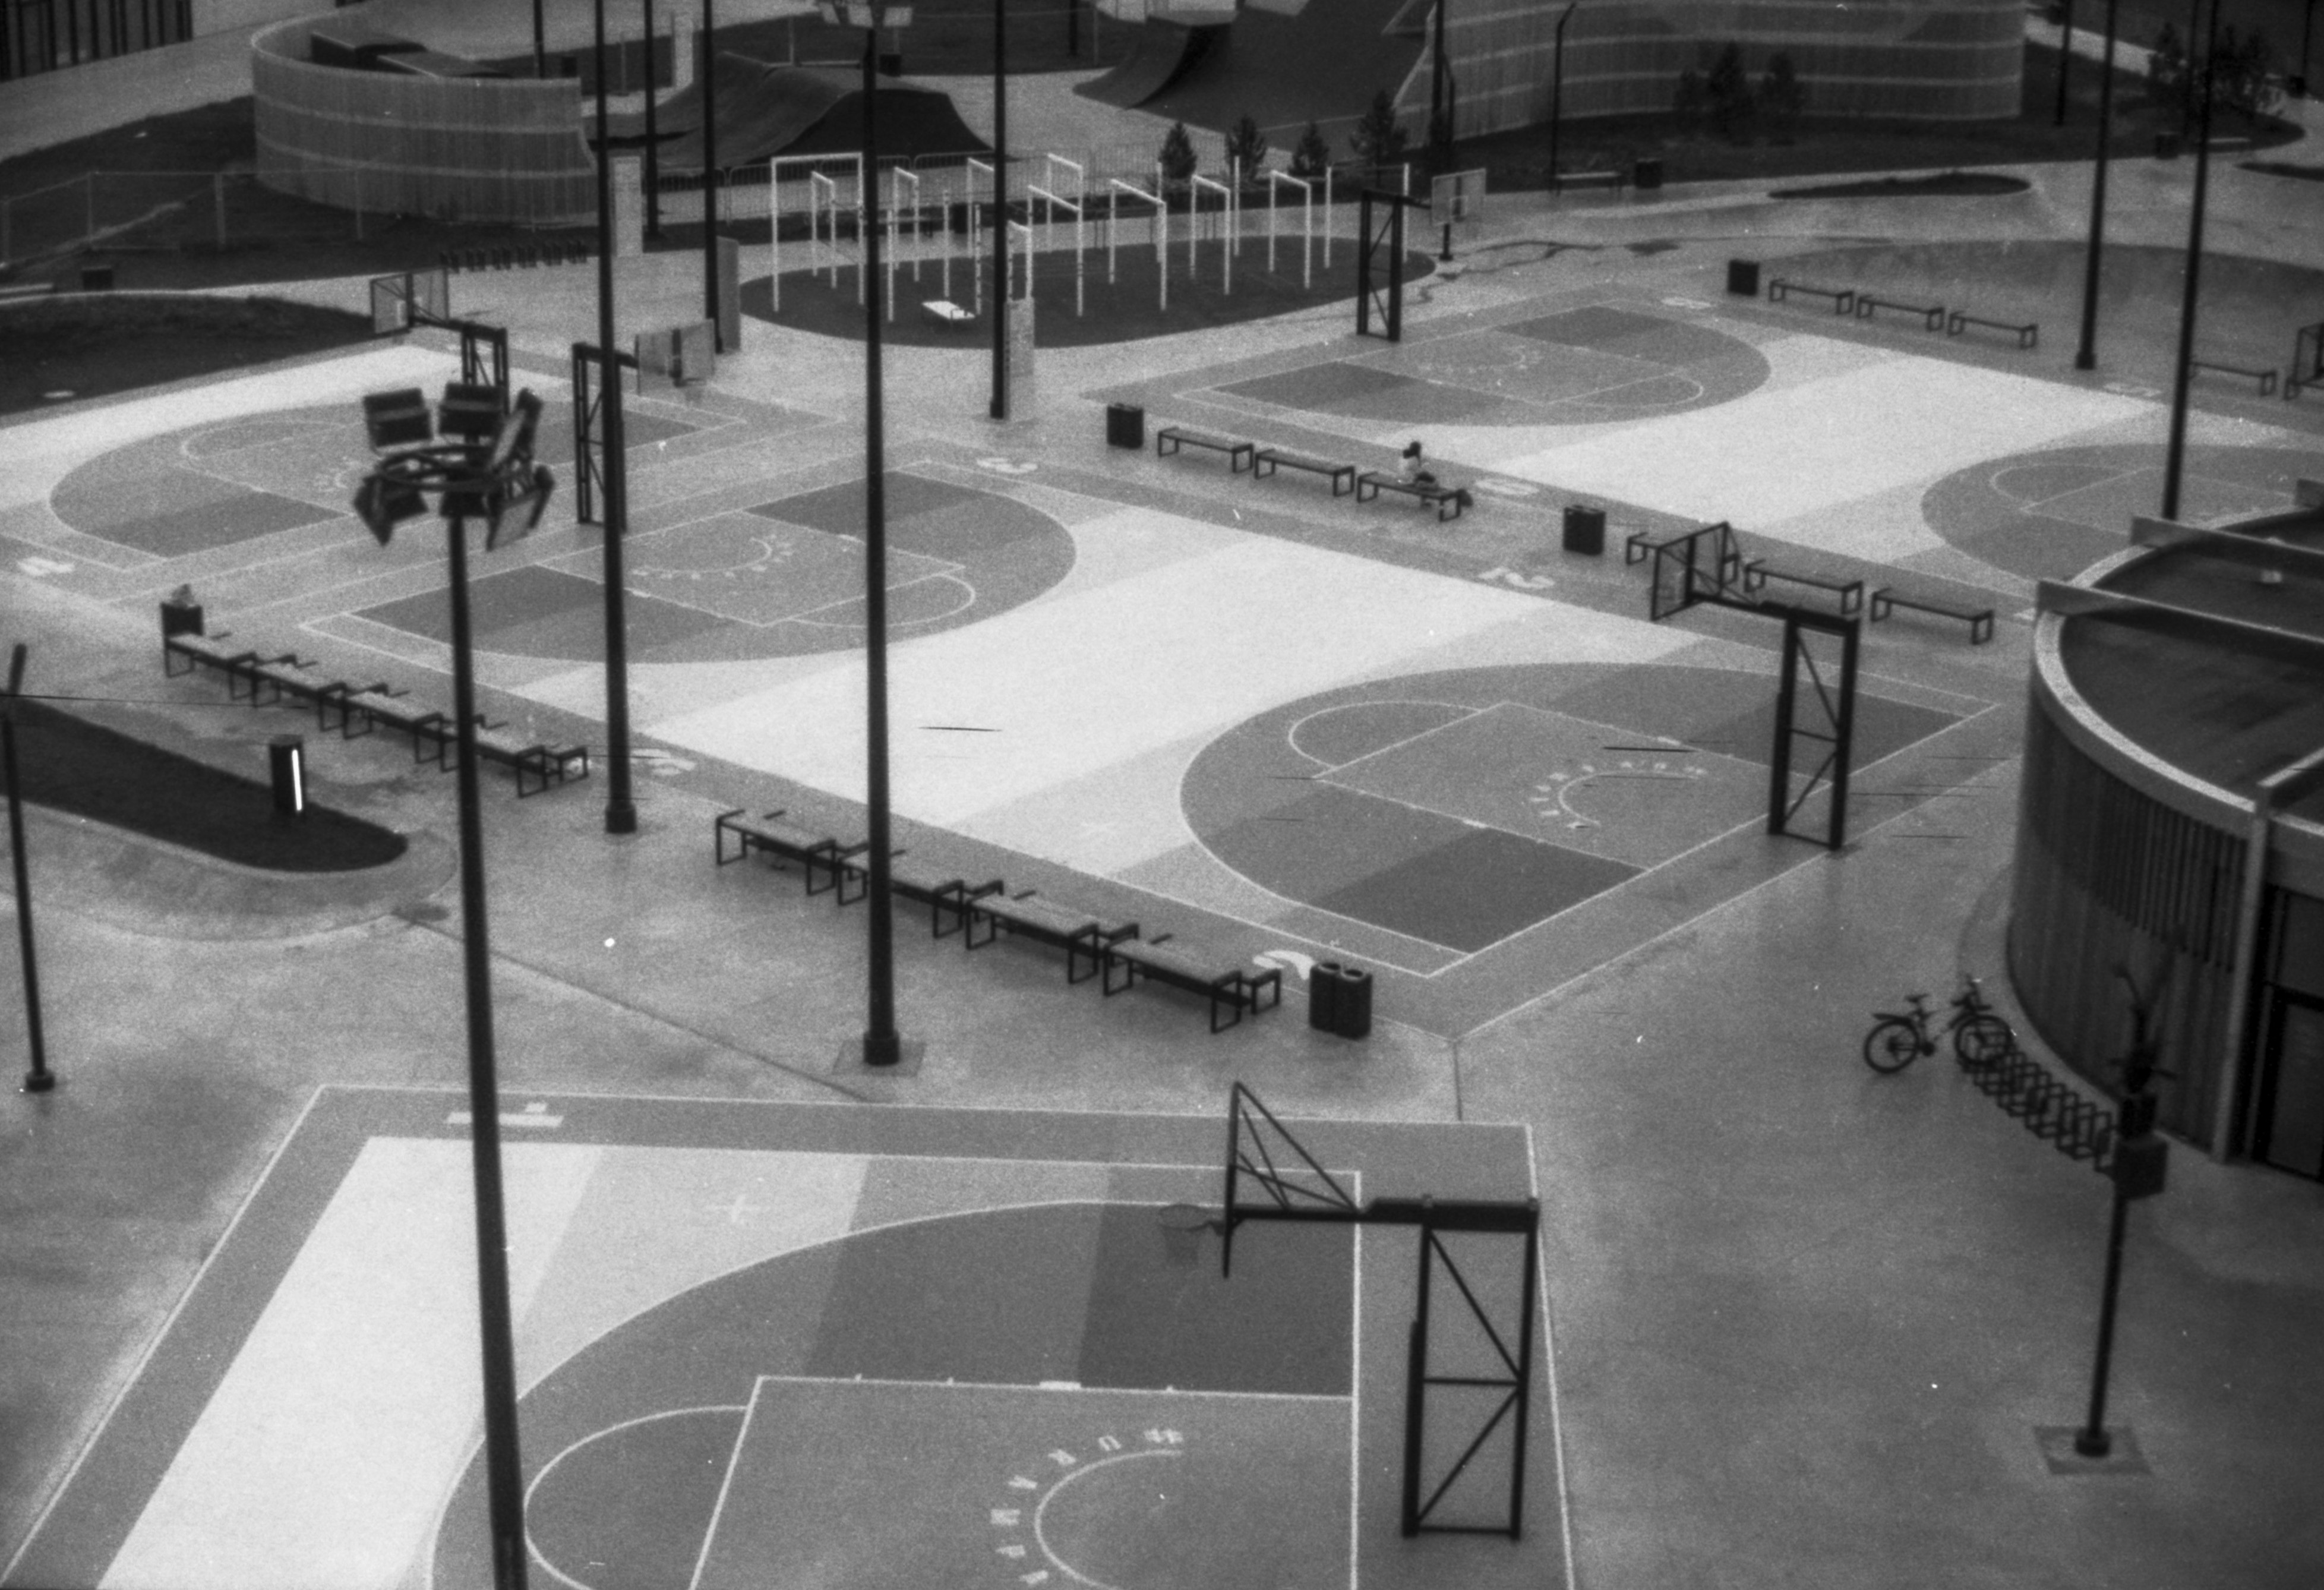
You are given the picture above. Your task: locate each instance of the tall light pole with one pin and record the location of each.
(2065, 54)
(1001, 209)
(540, 43)
(486, 473)
(2307, 38)
(653, 159)
(881, 1045)
(2174, 460)
(710, 180)
(1557, 88)
(37, 1079)
(2086, 357)
(621, 810)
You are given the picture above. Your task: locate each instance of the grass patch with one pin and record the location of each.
(94, 345)
(72, 765)
(1944, 184)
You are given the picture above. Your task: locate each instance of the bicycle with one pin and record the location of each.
(1981, 1037)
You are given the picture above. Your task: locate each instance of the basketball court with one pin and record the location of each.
(836, 1345)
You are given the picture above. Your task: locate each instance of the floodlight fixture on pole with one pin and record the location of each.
(621, 809)
(2086, 357)
(881, 1045)
(486, 471)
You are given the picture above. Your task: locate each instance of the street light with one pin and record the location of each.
(2086, 357)
(621, 810)
(2174, 458)
(1000, 407)
(1557, 88)
(485, 470)
(710, 304)
(882, 1046)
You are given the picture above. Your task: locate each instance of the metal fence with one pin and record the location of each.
(134, 212)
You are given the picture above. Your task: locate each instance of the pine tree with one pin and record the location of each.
(1378, 139)
(1691, 100)
(1177, 155)
(2166, 69)
(1782, 97)
(1728, 90)
(1313, 157)
(1247, 145)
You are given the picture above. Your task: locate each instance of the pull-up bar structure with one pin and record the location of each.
(1161, 230)
(1194, 227)
(1276, 183)
(1288, 1183)
(1057, 201)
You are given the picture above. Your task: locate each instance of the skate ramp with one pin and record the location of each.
(1166, 49)
(765, 108)
(1321, 64)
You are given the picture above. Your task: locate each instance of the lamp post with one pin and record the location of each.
(621, 810)
(39, 1078)
(2307, 39)
(653, 161)
(2086, 357)
(487, 472)
(2065, 54)
(1557, 87)
(1001, 209)
(2174, 460)
(710, 181)
(882, 1046)
(540, 43)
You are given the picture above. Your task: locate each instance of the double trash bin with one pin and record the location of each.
(1339, 1000)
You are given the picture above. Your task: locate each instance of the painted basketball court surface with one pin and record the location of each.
(1446, 750)
(776, 1344)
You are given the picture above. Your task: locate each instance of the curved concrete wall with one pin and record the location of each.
(1933, 59)
(508, 149)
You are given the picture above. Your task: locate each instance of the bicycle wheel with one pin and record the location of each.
(1891, 1045)
(1981, 1040)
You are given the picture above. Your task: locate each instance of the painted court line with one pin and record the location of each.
(726, 1487)
(1053, 1388)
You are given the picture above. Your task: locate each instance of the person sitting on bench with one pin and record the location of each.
(1418, 473)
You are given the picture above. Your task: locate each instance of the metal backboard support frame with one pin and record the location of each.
(1700, 568)
(1371, 239)
(1288, 1183)
(588, 427)
(2306, 359)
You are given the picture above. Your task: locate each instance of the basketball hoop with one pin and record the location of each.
(1182, 1226)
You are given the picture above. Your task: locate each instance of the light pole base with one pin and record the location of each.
(621, 818)
(40, 1081)
(857, 1058)
(2086, 361)
(2116, 1450)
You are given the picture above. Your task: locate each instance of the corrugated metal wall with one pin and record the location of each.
(508, 149)
(1941, 60)
(2107, 875)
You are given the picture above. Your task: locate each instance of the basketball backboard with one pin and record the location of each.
(410, 298)
(1694, 567)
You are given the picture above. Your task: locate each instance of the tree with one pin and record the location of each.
(1378, 139)
(1728, 90)
(1177, 157)
(1782, 97)
(1691, 102)
(2245, 79)
(1313, 157)
(1247, 146)
(2166, 69)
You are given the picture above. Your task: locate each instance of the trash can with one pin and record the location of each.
(1585, 529)
(1743, 278)
(2166, 146)
(892, 63)
(1353, 1004)
(1125, 426)
(1323, 996)
(181, 618)
(1648, 172)
(97, 277)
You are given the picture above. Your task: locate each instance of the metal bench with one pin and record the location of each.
(945, 312)
(1266, 460)
(277, 679)
(1933, 316)
(767, 835)
(1447, 500)
(1614, 178)
(1171, 437)
(2267, 378)
(2027, 335)
(944, 894)
(1165, 960)
(1079, 934)
(1979, 619)
(1843, 299)
(1759, 571)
